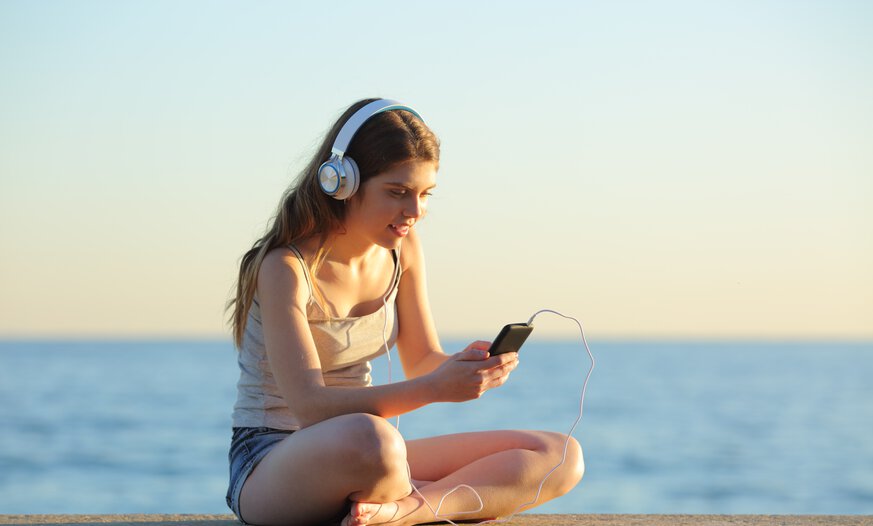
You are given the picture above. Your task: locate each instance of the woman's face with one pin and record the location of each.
(389, 204)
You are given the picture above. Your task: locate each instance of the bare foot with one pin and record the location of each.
(364, 513)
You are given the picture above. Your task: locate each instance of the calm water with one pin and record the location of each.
(745, 427)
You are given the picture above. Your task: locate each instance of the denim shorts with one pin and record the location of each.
(248, 446)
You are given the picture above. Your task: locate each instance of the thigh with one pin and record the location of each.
(436, 457)
(308, 476)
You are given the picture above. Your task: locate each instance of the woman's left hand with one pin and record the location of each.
(469, 373)
(498, 373)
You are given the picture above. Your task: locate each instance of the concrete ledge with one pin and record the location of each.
(519, 520)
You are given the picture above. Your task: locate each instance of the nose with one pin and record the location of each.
(415, 208)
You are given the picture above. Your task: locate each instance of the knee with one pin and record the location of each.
(374, 446)
(570, 473)
(375, 456)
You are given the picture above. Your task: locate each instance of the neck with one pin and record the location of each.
(346, 250)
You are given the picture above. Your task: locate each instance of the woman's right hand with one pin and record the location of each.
(469, 373)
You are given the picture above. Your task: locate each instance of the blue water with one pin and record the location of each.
(743, 427)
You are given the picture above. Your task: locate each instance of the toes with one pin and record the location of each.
(361, 513)
(362, 510)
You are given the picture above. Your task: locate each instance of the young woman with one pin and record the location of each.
(340, 271)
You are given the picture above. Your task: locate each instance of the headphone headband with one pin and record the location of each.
(338, 176)
(341, 144)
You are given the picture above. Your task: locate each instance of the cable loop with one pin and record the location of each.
(521, 507)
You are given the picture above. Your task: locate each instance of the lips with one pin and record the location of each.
(400, 229)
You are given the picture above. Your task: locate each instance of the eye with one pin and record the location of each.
(397, 192)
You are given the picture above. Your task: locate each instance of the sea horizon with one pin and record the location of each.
(724, 427)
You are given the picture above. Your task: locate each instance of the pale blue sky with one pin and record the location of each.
(659, 169)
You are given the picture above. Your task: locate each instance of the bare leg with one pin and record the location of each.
(504, 467)
(311, 475)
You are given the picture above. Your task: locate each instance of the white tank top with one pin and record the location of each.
(345, 347)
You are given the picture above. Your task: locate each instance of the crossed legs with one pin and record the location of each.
(310, 477)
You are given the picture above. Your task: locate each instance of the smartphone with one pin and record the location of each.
(511, 338)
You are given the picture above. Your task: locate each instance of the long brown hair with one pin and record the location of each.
(305, 211)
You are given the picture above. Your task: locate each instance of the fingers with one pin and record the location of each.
(502, 360)
(507, 363)
(480, 344)
(472, 371)
(497, 374)
(477, 350)
(471, 355)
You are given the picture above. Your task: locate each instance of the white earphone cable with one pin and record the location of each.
(388, 351)
(521, 507)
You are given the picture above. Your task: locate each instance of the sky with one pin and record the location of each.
(674, 169)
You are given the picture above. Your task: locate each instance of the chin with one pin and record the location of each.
(390, 243)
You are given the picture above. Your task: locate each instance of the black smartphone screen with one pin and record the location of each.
(511, 338)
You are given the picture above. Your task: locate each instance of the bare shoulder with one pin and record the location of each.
(282, 272)
(279, 261)
(412, 254)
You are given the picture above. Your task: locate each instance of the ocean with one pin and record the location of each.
(668, 427)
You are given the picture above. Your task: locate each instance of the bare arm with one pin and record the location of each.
(417, 340)
(294, 361)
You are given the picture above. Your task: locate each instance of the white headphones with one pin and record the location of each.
(338, 176)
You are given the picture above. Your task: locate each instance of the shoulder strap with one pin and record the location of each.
(395, 253)
(305, 270)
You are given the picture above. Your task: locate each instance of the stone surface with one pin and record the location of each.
(519, 520)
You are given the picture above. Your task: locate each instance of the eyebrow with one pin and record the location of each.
(406, 186)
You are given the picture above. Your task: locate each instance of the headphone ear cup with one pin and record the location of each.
(351, 178)
(329, 176)
(339, 178)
